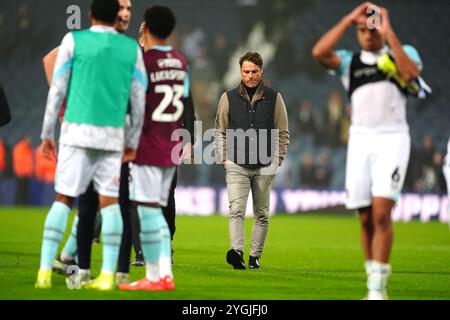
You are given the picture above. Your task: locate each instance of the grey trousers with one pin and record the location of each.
(240, 181)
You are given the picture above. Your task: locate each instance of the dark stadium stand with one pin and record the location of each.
(29, 29)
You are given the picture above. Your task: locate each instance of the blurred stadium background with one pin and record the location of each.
(213, 34)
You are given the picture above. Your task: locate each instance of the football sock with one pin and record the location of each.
(112, 227)
(152, 271)
(69, 251)
(378, 277)
(150, 236)
(368, 266)
(165, 258)
(54, 229)
(85, 233)
(123, 265)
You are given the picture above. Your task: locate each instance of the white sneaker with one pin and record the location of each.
(77, 281)
(377, 295)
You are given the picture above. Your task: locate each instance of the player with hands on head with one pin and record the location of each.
(379, 144)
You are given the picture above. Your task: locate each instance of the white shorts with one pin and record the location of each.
(150, 184)
(376, 167)
(77, 167)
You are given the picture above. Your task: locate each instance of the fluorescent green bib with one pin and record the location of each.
(100, 84)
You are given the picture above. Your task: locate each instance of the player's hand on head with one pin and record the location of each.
(129, 154)
(49, 149)
(386, 26)
(359, 11)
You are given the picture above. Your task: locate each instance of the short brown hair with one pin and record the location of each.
(253, 57)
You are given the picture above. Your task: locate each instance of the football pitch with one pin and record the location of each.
(307, 257)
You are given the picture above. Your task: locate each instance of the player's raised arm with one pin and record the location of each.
(49, 64)
(137, 99)
(407, 68)
(59, 85)
(323, 51)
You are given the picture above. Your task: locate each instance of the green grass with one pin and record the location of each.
(306, 257)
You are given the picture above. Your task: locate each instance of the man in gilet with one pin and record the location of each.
(251, 139)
